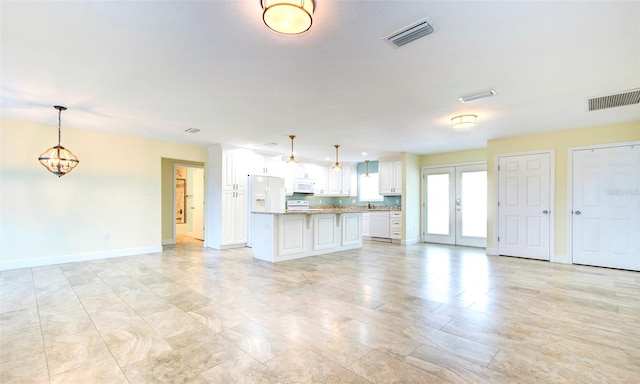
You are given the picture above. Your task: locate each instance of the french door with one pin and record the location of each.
(456, 205)
(524, 206)
(605, 211)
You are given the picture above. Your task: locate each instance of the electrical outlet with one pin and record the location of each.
(353, 201)
(397, 201)
(106, 236)
(319, 201)
(339, 201)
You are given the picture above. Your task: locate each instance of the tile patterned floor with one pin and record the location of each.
(381, 314)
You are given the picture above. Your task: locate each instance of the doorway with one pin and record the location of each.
(188, 203)
(605, 206)
(524, 205)
(456, 205)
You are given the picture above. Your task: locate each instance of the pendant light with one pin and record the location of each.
(366, 163)
(289, 17)
(336, 166)
(292, 159)
(58, 160)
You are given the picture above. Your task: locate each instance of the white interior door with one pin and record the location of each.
(197, 207)
(605, 213)
(456, 205)
(524, 206)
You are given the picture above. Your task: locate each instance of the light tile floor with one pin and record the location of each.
(381, 314)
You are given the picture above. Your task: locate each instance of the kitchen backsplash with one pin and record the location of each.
(391, 201)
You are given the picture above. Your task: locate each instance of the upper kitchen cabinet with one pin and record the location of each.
(305, 171)
(343, 182)
(267, 166)
(321, 186)
(390, 177)
(234, 170)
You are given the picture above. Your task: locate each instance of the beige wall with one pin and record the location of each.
(116, 189)
(559, 142)
(457, 157)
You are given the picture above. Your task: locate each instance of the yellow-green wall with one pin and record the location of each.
(116, 189)
(559, 142)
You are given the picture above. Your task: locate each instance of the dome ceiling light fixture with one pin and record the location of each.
(289, 17)
(463, 122)
(337, 167)
(292, 159)
(58, 160)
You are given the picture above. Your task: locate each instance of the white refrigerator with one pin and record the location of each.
(266, 194)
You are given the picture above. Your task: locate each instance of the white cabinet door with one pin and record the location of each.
(291, 234)
(351, 229)
(524, 210)
(321, 186)
(324, 231)
(397, 177)
(335, 182)
(390, 177)
(234, 171)
(366, 224)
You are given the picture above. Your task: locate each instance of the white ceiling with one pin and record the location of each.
(156, 68)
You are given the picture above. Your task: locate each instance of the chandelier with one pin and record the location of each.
(58, 160)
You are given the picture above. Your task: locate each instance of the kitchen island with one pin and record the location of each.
(293, 235)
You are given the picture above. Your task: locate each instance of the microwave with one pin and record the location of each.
(302, 186)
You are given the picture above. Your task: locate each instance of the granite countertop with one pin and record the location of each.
(344, 209)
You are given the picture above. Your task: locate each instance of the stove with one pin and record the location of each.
(297, 205)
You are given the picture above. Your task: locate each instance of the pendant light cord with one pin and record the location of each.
(59, 123)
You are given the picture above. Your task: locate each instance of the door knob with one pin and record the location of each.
(545, 211)
(578, 212)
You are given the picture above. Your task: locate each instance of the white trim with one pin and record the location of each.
(492, 251)
(78, 257)
(453, 165)
(569, 212)
(552, 196)
(173, 197)
(415, 240)
(168, 241)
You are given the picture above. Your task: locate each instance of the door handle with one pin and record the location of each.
(578, 212)
(545, 212)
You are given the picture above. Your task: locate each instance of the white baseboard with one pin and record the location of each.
(168, 241)
(564, 259)
(42, 261)
(410, 241)
(492, 252)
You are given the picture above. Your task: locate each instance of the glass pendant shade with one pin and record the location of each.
(58, 160)
(289, 17)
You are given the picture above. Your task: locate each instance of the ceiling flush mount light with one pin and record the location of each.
(336, 167)
(463, 122)
(289, 17)
(477, 96)
(292, 159)
(58, 160)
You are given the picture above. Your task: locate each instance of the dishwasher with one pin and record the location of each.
(379, 222)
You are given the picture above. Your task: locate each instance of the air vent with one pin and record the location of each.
(411, 33)
(618, 100)
(192, 130)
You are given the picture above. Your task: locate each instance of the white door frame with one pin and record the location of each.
(173, 194)
(570, 151)
(552, 199)
(423, 197)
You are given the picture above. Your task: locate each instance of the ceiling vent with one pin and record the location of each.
(412, 32)
(611, 101)
(477, 96)
(192, 130)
